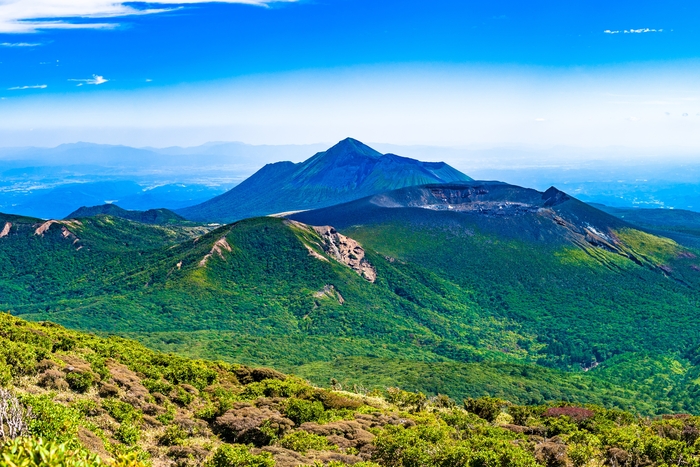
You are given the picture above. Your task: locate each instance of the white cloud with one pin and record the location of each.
(96, 80)
(20, 44)
(28, 16)
(632, 31)
(19, 88)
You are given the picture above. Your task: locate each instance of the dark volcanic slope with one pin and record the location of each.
(349, 170)
(496, 208)
(152, 216)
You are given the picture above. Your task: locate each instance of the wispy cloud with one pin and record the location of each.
(36, 86)
(632, 31)
(96, 80)
(20, 44)
(29, 16)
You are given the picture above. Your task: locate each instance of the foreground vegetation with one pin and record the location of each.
(78, 400)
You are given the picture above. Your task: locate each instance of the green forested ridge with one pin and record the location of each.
(151, 216)
(515, 297)
(79, 400)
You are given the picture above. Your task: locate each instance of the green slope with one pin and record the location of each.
(494, 288)
(678, 224)
(586, 296)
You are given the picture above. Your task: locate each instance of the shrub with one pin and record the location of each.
(182, 397)
(487, 408)
(98, 365)
(239, 456)
(52, 379)
(333, 401)
(443, 402)
(35, 452)
(172, 436)
(5, 374)
(13, 417)
(64, 344)
(462, 421)
(128, 433)
(53, 421)
(157, 385)
(291, 387)
(32, 452)
(108, 390)
(182, 371)
(406, 400)
(416, 446)
(86, 407)
(302, 411)
(521, 413)
(20, 358)
(80, 381)
(302, 441)
(121, 411)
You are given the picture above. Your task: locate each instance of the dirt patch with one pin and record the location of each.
(330, 292)
(313, 253)
(219, 247)
(41, 230)
(6, 229)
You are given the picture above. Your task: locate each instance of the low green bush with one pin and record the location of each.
(239, 456)
(302, 411)
(53, 421)
(121, 411)
(128, 433)
(33, 452)
(80, 381)
(487, 408)
(172, 436)
(302, 441)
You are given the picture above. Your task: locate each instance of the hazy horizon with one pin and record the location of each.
(302, 72)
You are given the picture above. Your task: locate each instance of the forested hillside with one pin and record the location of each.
(77, 400)
(529, 296)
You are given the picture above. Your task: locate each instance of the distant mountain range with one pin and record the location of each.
(347, 171)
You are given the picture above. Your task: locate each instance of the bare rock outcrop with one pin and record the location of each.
(6, 229)
(347, 251)
(218, 248)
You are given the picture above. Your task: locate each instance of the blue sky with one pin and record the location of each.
(283, 72)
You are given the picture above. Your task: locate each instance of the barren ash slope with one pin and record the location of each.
(349, 170)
